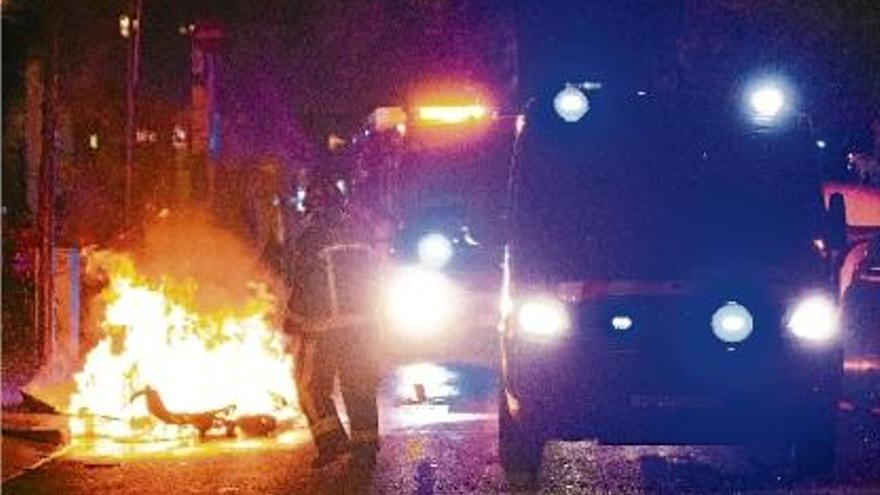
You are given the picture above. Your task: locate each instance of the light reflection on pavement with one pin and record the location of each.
(112, 450)
(423, 394)
(447, 443)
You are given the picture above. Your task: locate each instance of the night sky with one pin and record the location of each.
(293, 71)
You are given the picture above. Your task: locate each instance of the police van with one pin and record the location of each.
(661, 281)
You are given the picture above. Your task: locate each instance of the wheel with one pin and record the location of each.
(520, 446)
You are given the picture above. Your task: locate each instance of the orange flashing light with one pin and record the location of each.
(446, 115)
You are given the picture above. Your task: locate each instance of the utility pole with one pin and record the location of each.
(46, 191)
(133, 33)
(206, 35)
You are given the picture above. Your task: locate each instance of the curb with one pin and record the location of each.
(38, 435)
(31, 441)
(49, 457)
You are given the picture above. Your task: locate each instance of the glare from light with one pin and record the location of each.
(178, 137)
(821, 144)
(814, 319)
(125, 26)
(435, 381)
(621, 323)
(435, 250)
(386, 118)
(571, 104)
(767, 102)
(300, 199)
(732, 323)
(543, 318)
(452, 114)
(335, 142)
(420, 302)
(468, 238)
(519, 124)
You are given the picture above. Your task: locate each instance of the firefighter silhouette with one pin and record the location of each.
(332, 316)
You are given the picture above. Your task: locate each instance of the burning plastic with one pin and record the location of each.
(252, 425)
(202, 421)
(199, 329)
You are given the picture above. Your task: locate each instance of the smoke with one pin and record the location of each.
(190, 247)
(186, 250)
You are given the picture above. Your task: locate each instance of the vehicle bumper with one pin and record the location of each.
(632, 397)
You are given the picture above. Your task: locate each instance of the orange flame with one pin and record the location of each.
(154, 336)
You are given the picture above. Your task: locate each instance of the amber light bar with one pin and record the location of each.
(451, 114)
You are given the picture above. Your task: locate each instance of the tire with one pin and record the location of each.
(520, 447)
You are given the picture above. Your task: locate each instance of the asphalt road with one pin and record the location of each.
(449, 447)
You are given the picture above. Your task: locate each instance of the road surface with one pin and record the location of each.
(449, 446)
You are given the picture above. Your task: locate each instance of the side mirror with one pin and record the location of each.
(835, 229)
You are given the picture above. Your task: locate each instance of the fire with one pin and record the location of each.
(153, 335)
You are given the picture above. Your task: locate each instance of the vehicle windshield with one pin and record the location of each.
(647, 189)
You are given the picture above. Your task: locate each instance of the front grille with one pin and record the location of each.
(659, 322)
(671, 343)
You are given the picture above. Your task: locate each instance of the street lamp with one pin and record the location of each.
(571, 104)
(130, 29)
(768, 101)
(125, 26)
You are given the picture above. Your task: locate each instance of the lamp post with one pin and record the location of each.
(48, 172)
(130, 29)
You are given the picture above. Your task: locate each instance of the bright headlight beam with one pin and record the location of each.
(767, 101)
(435, 250)
(543, 318)
(732, 323)
(421, 302)
(621, 322)
(814, 319)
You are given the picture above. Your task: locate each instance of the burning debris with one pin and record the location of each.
(186, 349)
(202, 421)
(250, 425)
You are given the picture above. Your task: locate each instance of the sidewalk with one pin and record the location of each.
(30, 439)
(31, 433)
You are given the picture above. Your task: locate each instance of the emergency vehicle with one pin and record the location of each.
(663, 288)
(661, 284)
(438, 173)
(856, 256)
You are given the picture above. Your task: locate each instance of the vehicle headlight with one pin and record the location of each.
(621, 323)
(420, 301)
(814, 319)
(732, 322)
(543, 318)
(435, 250)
